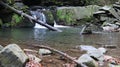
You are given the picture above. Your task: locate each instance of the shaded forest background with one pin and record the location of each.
(71, 16)
(68, 2)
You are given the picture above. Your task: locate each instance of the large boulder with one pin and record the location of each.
(49, 17)
(12, 56)
(69, 15)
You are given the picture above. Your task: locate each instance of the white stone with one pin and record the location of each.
(44, 51)
(84, 58)
(103, 50)
(87, 48)
(96, 54)
(33, 57)
(87, 60)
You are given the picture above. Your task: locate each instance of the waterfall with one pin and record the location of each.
(60, 26)
(39, 15)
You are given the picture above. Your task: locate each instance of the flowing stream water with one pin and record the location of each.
(69, 37)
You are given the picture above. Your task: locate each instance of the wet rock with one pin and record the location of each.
(44, 51)
(110, 26)
(87, 60)
(116, 6)
(72, 14)
(114, 13)
(117, 3)
(1, 47)
(109, 14)
(91, 49)
(12, 56)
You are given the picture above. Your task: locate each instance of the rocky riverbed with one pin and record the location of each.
(82, 53)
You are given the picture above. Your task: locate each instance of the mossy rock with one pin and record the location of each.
(71, 15)
(66, 16)
(15, 20)
(19, 21)
(49, 17)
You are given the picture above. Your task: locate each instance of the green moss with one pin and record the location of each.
(7, 24)
(49, 17)
(10, 1)
(66, 16)
(16, 19)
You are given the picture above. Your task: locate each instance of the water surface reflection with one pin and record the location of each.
(69, 37)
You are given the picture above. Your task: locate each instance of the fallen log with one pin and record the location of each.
(29, 17)
(83, 29)
(61, 53)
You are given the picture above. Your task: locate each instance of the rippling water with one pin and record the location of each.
(69, 37)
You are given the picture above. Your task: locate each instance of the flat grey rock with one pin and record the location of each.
(12, 56)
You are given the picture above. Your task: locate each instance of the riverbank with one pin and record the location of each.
(55, 59)
(65, 41)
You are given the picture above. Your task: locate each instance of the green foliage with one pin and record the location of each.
(49, 17)
(16, 19)
(65, 15)
(10, 2)
(7, 24)
(88, 19)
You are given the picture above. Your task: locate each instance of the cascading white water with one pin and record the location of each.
(60, 26)
(39, 15)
